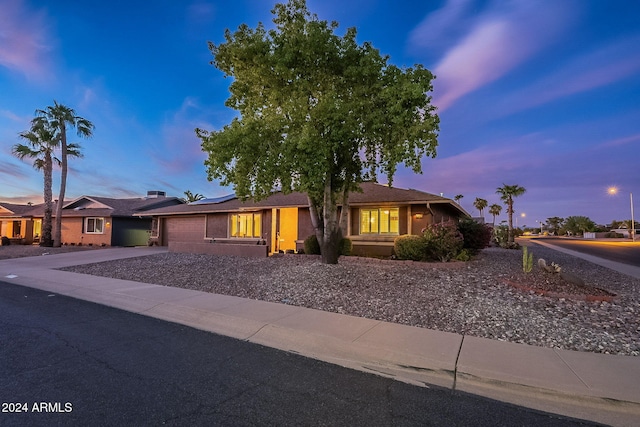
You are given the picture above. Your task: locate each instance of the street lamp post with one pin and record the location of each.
(633, 223)
(632, 229)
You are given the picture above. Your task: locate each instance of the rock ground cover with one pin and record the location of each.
(473, 298)
(488, 297)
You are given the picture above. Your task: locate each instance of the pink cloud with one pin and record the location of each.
(502, 37)
(24, 40)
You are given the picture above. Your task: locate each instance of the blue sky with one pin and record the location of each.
(544, 94)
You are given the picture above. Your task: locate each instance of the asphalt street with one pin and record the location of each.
(623, 251)
(69, 362)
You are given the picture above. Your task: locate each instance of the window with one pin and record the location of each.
(245, 225)
(94, 225)
(379, 221)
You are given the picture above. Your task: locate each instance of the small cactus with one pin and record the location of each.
(527, 260)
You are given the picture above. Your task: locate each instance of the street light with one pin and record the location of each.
(632, 231)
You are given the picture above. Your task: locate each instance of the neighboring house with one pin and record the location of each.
(281, 222)
(17, 225)
(98, 221)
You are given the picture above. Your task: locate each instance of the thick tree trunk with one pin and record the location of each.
(57, 239)
(46, 239)
(330, 247)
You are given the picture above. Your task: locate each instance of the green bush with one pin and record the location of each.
(346, 246)
(311, 245)
(476, 236)
(409, 247)
(444, 241)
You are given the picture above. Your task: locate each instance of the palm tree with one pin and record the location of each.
(40, 146)
(480, 204)
(495, 210)
(507, 193)
(457, 198)
(57, 118)
(190, 197)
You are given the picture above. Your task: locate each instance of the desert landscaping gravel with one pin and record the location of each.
(471, 298)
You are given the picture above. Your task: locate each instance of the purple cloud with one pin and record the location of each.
(500, 39)
(24, 42)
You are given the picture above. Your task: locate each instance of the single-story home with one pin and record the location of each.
(88, 220)
(16, 224)
(281, 222)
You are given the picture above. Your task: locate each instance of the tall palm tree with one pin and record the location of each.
(480, 204)
(40, 146)
(507, 193)
(457, 198)
(58, 117)
(495, 210)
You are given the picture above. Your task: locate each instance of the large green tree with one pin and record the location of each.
(60, 118)
(507, 194)
(579, 224)
(554, 224)
(318, 113)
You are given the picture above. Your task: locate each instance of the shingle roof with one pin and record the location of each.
(102, 206)
(14, 210)
(372, 193)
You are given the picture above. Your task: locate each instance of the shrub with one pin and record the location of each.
(5, 241)
(345, 246)
(409, 247)
(443, 241)
(476, 236)
(311, 245)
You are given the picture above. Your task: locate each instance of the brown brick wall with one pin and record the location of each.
(305, 228)
(217, 225)
(183, 229)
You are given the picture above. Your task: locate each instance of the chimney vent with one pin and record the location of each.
(152, 194)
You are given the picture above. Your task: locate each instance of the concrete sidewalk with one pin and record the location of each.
(591, 386)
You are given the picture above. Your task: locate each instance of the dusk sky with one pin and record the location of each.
(543, 94)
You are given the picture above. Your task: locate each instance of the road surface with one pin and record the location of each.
(71, 362)
(623, 251)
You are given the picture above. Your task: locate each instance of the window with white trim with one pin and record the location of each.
(94, 225)
(380, 221)
(245, 225)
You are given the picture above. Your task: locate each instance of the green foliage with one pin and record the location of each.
(346, 246)
(318, 113)
(495, 210)
(507, 193)
(443, 241)
(527, 260)
(480, 204)
(311, 246)
(190, 197)
(554, 225)
(579, 225)
(501, 237)
(476, 236)
(410, 247)
(464, 255)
